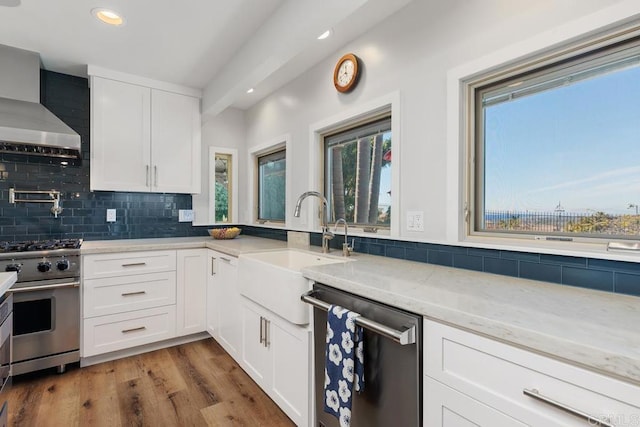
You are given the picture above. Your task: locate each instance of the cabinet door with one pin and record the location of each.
(230, 321)
(291, 369)
(213, 296)
(445, 407)
(256, 355)
(175, 148)
(191, 291)
(120, 136)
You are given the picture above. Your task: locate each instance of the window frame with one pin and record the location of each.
(462, 81)
(282, 142)
(385, 104)
(370, 124)
(549, 73)
(234, 184)
(281, 153)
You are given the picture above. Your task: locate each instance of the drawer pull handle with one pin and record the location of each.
(225, 259)
(261, 330)
(128, 294)
(139, 328)
(134, 264)
(267, 333)
(535, 394)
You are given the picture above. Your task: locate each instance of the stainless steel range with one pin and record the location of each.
(46, 302)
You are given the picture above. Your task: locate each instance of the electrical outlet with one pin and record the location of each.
(185, 215)
(111, 215)
(415, 221)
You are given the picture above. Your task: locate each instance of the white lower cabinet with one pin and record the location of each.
(191, 291)
(131, 299)
(275, 353)
(224, 321)
(515, 382)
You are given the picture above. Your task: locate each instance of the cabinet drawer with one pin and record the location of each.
(128, 293)
(445, 407)
(121, 264)
(497, 374)
(119, 331)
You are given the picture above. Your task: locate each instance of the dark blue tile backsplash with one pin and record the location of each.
(140, 215)
(146, 215)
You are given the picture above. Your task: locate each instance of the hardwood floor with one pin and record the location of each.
(195, 384)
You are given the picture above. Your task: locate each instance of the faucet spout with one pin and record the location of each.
(326, 234)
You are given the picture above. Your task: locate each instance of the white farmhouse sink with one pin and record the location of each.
(274, 280)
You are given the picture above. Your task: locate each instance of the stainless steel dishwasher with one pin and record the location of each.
(392, 393)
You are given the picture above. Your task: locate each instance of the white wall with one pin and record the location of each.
(411, 53)
(227, 129)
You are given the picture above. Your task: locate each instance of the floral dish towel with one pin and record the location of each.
(344, 364)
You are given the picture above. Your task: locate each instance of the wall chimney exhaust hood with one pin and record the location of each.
(27, 127)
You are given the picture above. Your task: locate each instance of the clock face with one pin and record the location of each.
(345, 75)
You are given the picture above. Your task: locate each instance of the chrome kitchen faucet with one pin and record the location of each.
(326, 234)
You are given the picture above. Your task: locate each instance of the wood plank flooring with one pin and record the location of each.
(195, 384)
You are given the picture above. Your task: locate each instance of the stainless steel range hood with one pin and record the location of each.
(26, 126)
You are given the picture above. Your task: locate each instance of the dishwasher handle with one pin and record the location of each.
(406, 337)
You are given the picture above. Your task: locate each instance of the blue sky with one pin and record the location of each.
(578, 145)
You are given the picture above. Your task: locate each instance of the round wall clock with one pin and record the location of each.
(346, 73)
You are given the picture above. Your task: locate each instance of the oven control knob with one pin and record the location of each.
(13, 267)
(63, 265)
(43, 267)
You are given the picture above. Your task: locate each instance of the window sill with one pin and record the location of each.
(269, 224)
(579, 249)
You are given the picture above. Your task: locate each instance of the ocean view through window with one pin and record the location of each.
(557, 149)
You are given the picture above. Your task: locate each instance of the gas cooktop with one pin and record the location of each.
(40, 245)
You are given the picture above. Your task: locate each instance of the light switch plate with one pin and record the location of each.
(185, 215)
(111, 215)
(415, 220)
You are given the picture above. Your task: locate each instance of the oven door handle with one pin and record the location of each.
(404, 337)
(45, 287)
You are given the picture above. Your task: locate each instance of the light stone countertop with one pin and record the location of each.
(593, 329)
(6, 281)
(233, 247)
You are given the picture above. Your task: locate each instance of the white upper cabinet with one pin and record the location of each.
(120, 136)
(175, 137)
(143, 138)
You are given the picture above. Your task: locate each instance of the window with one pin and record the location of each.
(223, 189)
(272, 186)
(357, 171)
(557, 149)
(222, 182)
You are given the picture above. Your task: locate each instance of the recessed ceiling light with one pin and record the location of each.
(250, 90)
(324, 35)
(108, 16)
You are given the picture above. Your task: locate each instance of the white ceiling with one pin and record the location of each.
(221, 46)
